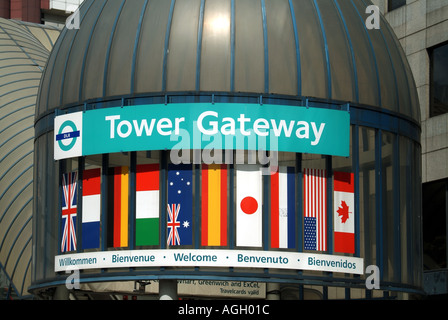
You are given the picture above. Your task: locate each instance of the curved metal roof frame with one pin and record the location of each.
(303, 48)
(24, 50)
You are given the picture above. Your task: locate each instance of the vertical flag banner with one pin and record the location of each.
(147, 205)
(283, 208)
(344, 212)
(118, 207)
(315, 209)
(214, 205)
(180, 205)
(69, 210)
(248, 206)
(91, 208)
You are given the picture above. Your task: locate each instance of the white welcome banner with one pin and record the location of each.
(209, 258)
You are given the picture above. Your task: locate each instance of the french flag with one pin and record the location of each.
(91, 208)
(344, 212)
(283, 208)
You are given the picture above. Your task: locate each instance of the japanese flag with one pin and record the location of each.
(248, 206)
(344, 212)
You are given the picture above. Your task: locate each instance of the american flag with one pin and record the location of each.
(69, 209)
(315, 210)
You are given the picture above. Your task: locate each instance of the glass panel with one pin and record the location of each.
(96, 56)
(411, 217)
(312, 55)
(364, 58)
(70, 87)
(285, 159)
(367, 195)
(181, 66)
(384, 65)
(405, 206)
(215, 73)
(282, 52)
(38, 225)
(345, 164)
(152, 45)
(315, 161)
(58, 73)
(417, 214)
(387, 175)
(342, 82)
(50, 217)
(121, 56)
(249, 48)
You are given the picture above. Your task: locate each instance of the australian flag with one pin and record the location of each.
(180, 205)
(69, 210)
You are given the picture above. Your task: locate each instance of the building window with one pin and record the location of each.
(395, 4)
(435, 213)
(439, 80)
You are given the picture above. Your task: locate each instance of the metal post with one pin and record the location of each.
(168, 290)
(272, 291)
(61, 293)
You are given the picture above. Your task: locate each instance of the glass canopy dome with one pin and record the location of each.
(301, 53)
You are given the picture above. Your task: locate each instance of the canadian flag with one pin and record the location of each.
(344, 212)
(248, 206)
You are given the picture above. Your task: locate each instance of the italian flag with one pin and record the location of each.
(147, 205)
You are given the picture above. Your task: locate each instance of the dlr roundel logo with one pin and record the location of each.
(68, 136)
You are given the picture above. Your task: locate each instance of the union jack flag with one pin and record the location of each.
(173, 224)
(69, 209)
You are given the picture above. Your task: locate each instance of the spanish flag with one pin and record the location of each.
(214, 205)
(118, 207)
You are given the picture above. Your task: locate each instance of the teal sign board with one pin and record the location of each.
(204, 126)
